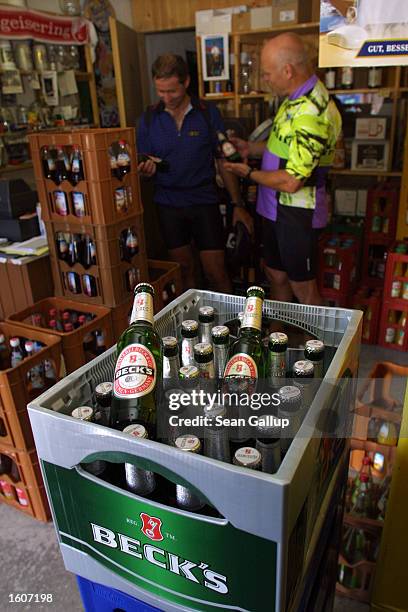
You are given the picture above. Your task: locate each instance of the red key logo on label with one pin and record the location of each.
(135, 372)
(151, 527)
(241, 364)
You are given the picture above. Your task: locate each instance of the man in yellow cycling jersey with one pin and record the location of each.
(295, 162)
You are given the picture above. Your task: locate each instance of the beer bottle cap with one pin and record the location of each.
(206, 314)
(143, 288)
(278, 342)
(188, 443)
(103, 393)
(248, 457)
(136, 430)
(211, 412)
(220, 334)
(189, 372)
(29, 346)
(203, 352)
(83, 413)
(170, 346)
(314, 350)
(303, 369)
(255, 288)
(266, 428)
(290, 397)
(239, 384)
(189, 328)
(14, 342)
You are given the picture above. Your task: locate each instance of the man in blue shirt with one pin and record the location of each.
(182, 131)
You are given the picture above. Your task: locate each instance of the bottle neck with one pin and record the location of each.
(252, 319)
(142, 309)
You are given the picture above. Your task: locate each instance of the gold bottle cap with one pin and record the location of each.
(189, 328)
(143, 286)
(303, 368)
(255, 288)
(136, 430)
(104, 388)
(220, 334)
(203, 348)
(314, 346)
(248, 457)
(188, 443)
(83, 413)
(206, 314)
(278, 338)
(189, 372)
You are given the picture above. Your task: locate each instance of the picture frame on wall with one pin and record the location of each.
(215, 57)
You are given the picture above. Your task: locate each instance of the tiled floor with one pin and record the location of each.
(32, 562)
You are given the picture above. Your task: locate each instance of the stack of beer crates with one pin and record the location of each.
(21, 484)
(394, 314)
(338, 254)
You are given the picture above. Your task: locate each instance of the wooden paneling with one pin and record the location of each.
(158, 15)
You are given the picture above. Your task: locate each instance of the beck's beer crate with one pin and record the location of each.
(21, 483)
(102, 192)
(98, 264)
(18, 386)
(155, 552)
(79, 345)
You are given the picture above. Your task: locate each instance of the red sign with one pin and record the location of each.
(17, 23)
(151, 527)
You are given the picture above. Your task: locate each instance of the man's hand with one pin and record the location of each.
(237, 169)
(147, 168)
(242, 146)
(240, 214)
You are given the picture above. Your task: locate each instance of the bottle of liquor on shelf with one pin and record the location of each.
(347, 77)
(77, 171)
(123, 159)
(62, 170)
(246, 355)
(138, 370)
(16, 355)
(229, 150)
(4, 353)
(48, 164)
(330, 78)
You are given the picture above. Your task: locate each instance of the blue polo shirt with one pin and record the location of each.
(190, 153)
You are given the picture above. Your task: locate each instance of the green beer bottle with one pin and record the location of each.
(246, 355)
(138, 370)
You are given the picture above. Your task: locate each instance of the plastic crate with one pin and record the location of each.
(72, 343)
(373, 264)
(15, 428)
(381, 214)
(394, 325)
(23, 284)
(98, 598)
(99, 186)
(165, 277)
(277, 519)
(114, 277)
(337, 265)
(27, 491)
(369, 301)
(334, 299)
(396, 276)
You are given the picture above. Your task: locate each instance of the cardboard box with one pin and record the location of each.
(241, 22)
(345, 201)
(371, 128)
(370, 155)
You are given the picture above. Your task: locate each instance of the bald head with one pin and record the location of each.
(286, 63)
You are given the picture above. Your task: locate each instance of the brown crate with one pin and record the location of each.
(22, 285)
(71, 342)
(15, 430)
(29, 487)
(120, 317)
(160, 274)
(99, 185)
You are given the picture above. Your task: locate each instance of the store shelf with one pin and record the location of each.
(366, 172)
(220, 97)
(263, 95)
(385, 91)
(300, 28)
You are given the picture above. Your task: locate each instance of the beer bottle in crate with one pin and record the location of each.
(123, 159)
(138, 367)
(48, 163)
(62, 170)
(246, 353)
(77, 172)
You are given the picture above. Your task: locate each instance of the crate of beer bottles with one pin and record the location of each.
(86, 175)
(394, 325)
(21, 483)
(396, 274)
(382, 212)
(369, 301)
(337, 265)
(24, 374)
(175, 559)
(98, 264)
(165, 277)
(85, 330)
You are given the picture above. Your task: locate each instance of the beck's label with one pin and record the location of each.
(243, 365)
(135, 372)
(142, 308)
(253, 313)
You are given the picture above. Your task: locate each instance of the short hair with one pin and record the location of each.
(168, 65)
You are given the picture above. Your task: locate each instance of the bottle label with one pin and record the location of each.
(253, 313)
(123, 159)
(228, 149)
(135, 372)
(142, 308)
(241, 364)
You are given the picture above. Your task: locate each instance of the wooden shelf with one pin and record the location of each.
(220, 97)
(361, 521)
(365, 172)
(300, 28)
(364, 90)
(250, 96)
(16, 167)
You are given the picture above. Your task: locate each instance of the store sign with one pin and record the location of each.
(363, 33)
(23, 24)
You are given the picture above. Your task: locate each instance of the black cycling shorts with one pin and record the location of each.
(203, 224)
(290, 243)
